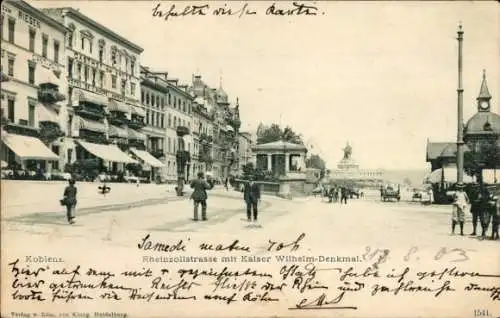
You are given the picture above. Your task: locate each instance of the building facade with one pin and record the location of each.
(202, 157)
(244, 150)
(104, 113)
(33, 63)
(482, 129)
(225, 126)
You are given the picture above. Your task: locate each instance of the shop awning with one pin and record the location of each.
(135, 135)
(28, 148)
(147, 158)
(136, 110)
(84, 96)
(450, 176)
(46, 113)
(115, 131)
(107, 152)
(117, 106)
(92, 125)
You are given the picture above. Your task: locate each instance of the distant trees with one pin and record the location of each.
(487, 156)
(276, 133)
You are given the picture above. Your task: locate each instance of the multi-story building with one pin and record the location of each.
(226, 123)
(33, 58)
(154, 97)
(202, 137)
(105, 116)
(179, 115)
(244, 150)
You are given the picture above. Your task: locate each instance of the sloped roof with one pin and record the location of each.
(484, 93)
(442, 150)
(434, 149)
(483, 123)
(280, 145)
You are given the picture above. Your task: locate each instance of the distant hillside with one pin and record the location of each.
(416, 177)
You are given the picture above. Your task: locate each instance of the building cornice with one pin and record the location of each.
(150, 83)
(180, 90)
(38, 14)
(66, 11)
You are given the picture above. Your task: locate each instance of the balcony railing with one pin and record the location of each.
(182, 131)
(117, 118)
(93, 136)
(90, 111)
(49, 94)
(139, 144)
(4, 77)
(158, 153)
(136, 122)
(204, 138)
(21, 129)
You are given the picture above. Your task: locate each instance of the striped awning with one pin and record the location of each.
(136, 110)
(147, 158)
(28, 148)
(85, 96)
(117, 106)
(135, 135)
(115, 131)
(92, 125)
(45, 113)
(107, 152)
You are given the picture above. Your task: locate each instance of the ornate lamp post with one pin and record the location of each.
(460, 128)
(182, 158)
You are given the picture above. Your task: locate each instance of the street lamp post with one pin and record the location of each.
(460, 130)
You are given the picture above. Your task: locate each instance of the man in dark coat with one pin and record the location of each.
(343, 195)
(69, 200)
(200, 196)
(251, 195)
(476, 206)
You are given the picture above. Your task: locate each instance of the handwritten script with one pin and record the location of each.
(169, 12)
(232, 276)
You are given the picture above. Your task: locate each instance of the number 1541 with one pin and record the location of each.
(481, 313)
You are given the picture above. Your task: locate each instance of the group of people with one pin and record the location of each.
(334, 193)
(484, 206)
(200, 186)
(251, 196)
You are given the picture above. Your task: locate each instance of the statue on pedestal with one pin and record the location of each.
(347, 151)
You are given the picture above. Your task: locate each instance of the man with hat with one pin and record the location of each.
(460, 202)
(200, 196)
(251, 195)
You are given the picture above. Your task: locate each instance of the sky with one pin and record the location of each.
(379, 75)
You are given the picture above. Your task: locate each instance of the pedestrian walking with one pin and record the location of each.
(460, 202)
(476, 206)
(226, 184)
(486, 211)
(251, 195)
(69, 200)
(343, 193)
(200, 196)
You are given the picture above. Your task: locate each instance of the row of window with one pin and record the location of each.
(88, 75)
(11, 109)
(11, 38)
(45, 44)
(116, 59)
(153, 100)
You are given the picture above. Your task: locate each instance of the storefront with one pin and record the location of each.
(149, 163)
(27, 154)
